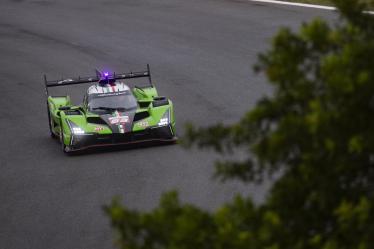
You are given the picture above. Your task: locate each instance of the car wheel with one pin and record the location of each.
(65, 149)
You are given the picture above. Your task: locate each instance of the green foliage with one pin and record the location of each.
(171, 225)
(315, 131)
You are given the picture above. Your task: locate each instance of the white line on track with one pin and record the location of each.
(305, 5)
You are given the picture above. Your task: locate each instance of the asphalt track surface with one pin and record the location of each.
(201, 53)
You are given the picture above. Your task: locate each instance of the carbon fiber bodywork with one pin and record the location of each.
(79, 142)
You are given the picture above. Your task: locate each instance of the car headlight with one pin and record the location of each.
(165, 119)
(75, 129)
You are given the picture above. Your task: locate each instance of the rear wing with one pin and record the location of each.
(83, 80)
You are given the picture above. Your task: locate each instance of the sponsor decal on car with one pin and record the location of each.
(119, 119)
(143, 124)
(99, 128)
(64, 81)
(111, 93)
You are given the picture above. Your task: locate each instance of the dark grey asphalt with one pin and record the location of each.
(201, 53)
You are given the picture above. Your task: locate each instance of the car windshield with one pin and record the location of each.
(108, 102)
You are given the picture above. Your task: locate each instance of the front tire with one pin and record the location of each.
(66, 149)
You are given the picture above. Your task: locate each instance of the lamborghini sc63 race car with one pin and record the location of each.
(112, 113)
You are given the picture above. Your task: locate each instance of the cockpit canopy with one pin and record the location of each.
(103, 99)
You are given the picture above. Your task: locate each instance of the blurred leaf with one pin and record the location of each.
(314, 136)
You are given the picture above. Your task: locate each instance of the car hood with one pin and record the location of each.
(119, 122)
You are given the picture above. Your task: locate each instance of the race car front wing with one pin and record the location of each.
(88, 140)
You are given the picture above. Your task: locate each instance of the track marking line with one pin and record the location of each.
(305, 5)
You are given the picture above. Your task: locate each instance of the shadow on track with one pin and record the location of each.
(117, 148)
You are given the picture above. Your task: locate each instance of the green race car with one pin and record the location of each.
(112, 113)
